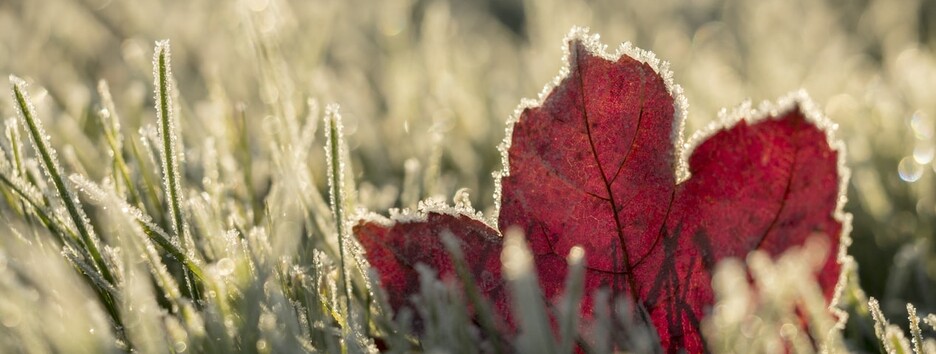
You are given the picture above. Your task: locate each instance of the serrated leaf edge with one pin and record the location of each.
(684, 148)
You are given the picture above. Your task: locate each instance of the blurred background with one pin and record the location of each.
(425, 87)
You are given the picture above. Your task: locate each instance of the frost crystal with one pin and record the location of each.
(334, 152)
(170, 146)
(53, 171)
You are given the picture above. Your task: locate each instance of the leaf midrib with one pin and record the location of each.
(631, 283)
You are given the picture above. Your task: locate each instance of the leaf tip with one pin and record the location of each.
(162, 45)
(16, 81)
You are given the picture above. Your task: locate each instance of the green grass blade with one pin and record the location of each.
(129, 218)
(30, 197)
(16, 146)
(168, 138)
(151, 191)
(111, 123)
(145, 222)
(8, 196)
(333, 152)
(171, 152)
(53, 171)
(19, 163)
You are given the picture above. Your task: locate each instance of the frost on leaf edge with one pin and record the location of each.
(801, 101)
(683, 148)
(592, 44)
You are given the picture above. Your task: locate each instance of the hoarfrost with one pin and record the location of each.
(170, 146)
(52, 169)
(97, 193)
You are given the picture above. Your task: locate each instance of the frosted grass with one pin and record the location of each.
(168, 137)
(171, 153)
(110, 122)
(337, 190)
(274, 282)
(146, 225)
(423, 105)
(52, 169)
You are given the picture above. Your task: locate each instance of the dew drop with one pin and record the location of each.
(923, 153)
(788, 331)
(909, 170)
(924, 207)
(225, 266)
(922, 126)
(753, 328)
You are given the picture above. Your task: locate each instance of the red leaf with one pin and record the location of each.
(599, 163)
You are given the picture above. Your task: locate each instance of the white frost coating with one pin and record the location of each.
(22, 187)
(335, 155)
(96, 193)
(333, 124)
(110, 119)
(5, 167)
(148, 138)
(915, 329)
(169, 147)
(421, 213)
(75, 258)
(307, 135)
(13, 143)
(49, 162)
(594, 47)
(144, 248)
(930, 319)
(682, 148)
(813, 114)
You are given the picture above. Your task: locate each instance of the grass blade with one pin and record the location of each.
(53, 171)
(336, 179)
(168, 135)
(915, 329)
(528, 306)
(571, 300)
(111, 123)
(481, 307)
(145, 222)
(171, 154)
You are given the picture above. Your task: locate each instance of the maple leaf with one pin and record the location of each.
(600, 162)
